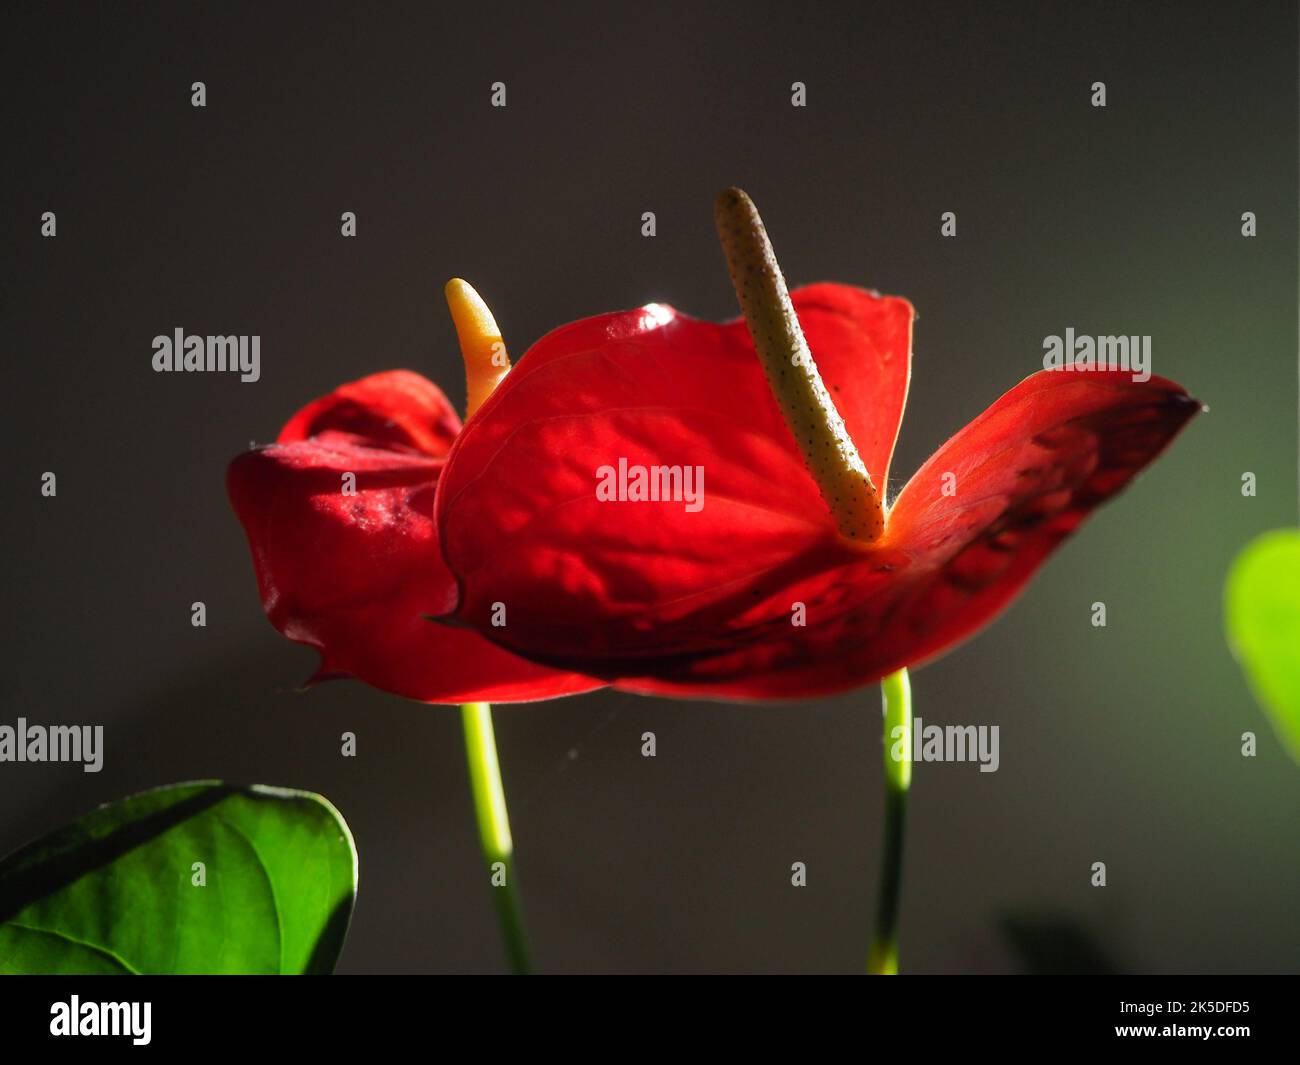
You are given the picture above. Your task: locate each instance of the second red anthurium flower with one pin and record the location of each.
(631, 505)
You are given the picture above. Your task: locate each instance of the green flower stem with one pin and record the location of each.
(494, 827)
(896, 695)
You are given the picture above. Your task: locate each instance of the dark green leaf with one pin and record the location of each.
(116, 891)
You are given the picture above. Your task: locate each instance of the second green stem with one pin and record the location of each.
(494, 827)
(896, 695)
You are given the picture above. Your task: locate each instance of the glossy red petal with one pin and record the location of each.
(706, 609)
(351, 575)
(520, 518)
(1025, 475)
(396, 409)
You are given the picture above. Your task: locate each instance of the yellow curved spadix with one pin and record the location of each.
(481, 346)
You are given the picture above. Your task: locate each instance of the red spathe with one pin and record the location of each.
(655, 596)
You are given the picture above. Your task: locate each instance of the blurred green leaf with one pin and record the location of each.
(116, 891)
(1262, 607)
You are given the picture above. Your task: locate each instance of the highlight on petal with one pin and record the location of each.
(343, 541)
(636, 593)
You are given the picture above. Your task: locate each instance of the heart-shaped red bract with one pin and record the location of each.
(754, 595)
(354, 575)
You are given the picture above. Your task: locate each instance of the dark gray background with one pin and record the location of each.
(1118, 744)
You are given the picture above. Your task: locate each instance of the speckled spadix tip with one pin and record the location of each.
(481, 346)
(829, 453)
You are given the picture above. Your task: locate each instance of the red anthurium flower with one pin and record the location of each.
(658, 598)
(350, 568)
(762, 564)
